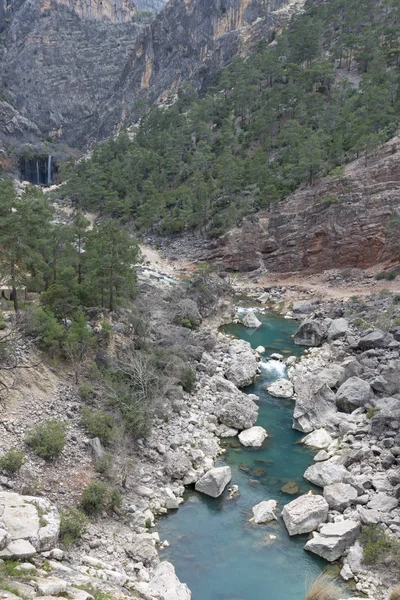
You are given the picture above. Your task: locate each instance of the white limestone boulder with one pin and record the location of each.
(333, 539)
(253, 437)
(320, 438)
(251, 321)
(340, 495)
(305, 513)
(164, 584)
(214, 481)
(325, 473)
(281, 388)
(264, 512)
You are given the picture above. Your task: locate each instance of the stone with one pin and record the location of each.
(374, 339)
(18, 549)
(346, 573)
(340, 495)
(383, 502)
(281, 388)
(325, 473)
(319, 438)
(353, 393)
(315, 404)
(142, 549)
(338, 328)
(243, 365)
(260, 349)
(214, 481)
(96, 448)
(3, 538)
(239, 414)
(291, 487)
(50, 586)
(305, 513)
(303, 307)
(251, 321)
(176, 464)
(333, 539)
(310, 333)
(164, 584)
(264, 512)
(253, 437)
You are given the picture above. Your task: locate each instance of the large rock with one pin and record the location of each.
(340, 495)
(165, 585)
(303, 307)
(176, 464)
(264, 512)
(281, 388)
(320, 438)
(253, 437)
(239, 414)
(251, 321)
(315, 404)
(353, 393)
(338, 328)
(243, 365)
(31, 524)
(383, 502)
(305, 513)
(333, 539)
(375, 339)
(383, 420)
(143, 549)
(325, 473)
(214, 481)
(310, 333)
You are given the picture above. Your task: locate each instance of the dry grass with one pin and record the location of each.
(324, 588)
(395, 594)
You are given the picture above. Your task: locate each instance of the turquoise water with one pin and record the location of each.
(214, 548)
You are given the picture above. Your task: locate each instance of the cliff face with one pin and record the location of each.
(77, 68)
(342, 223)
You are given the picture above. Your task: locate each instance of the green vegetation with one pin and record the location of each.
(47, 439)
(99, 424)
(267, 124)
(104, 466)
(188, 379)
(12, 460)
(72, 526)
(97, 496)
(387, 275)
(379, 547)
(371, 411)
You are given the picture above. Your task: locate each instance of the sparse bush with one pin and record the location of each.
(2, 322)
(396, 299)
(329, 199)
(104, 465)
(72, 526)
(48, 330)
(99, 424)
(47, 439)
(371, 411)
(97, 496)
(324, 588)
(386, 275)
(85, 390)
(378, 546)
(12, 460)
(188, 379)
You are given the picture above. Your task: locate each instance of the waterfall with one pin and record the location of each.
(49, 170)
(37, 173)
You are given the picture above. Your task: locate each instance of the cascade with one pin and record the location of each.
(37, 173)
(49, 170)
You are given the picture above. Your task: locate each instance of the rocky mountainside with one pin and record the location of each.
(341, 221)
(78, 69)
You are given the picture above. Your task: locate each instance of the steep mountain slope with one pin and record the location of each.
(341, 222)
(77, 69)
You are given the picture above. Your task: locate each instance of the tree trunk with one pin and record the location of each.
(14, 295)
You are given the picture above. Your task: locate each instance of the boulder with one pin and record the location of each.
(239, 414)
(383, 502)
(281, 388)
(253, 437)
(176, 464)
(315, 404)
(303, 307)
(333, 539)
(383, 420)
(319, 438)
(291, 487)
(264, 512)
(143, 549)
(18, 550)
(340, 495)
(353, 393)
(332, 375)
(325, 473)
(305, 513)
(310, 333)
(243, 365)
(165, 585)
(214, 481)
(338, 328)
(50, 586)
(251, 321)
(374, 339)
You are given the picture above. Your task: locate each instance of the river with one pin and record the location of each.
(214, 548)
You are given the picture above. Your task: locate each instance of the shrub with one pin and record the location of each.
(323, 589)
(104, 465)
(188, 379)
(85, 390)
(378, 545)
(97, 496)
(12, 460)
(48, 330)
(47, 439)
(72, 526)
(2, 322)
(99, 424)
(386, 275)
(371, 411)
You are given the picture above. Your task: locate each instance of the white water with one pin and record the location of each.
(273, 369)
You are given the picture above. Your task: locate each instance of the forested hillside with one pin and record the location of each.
(324, 91)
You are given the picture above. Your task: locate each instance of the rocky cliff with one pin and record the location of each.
(77, 68)
(341, 222)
